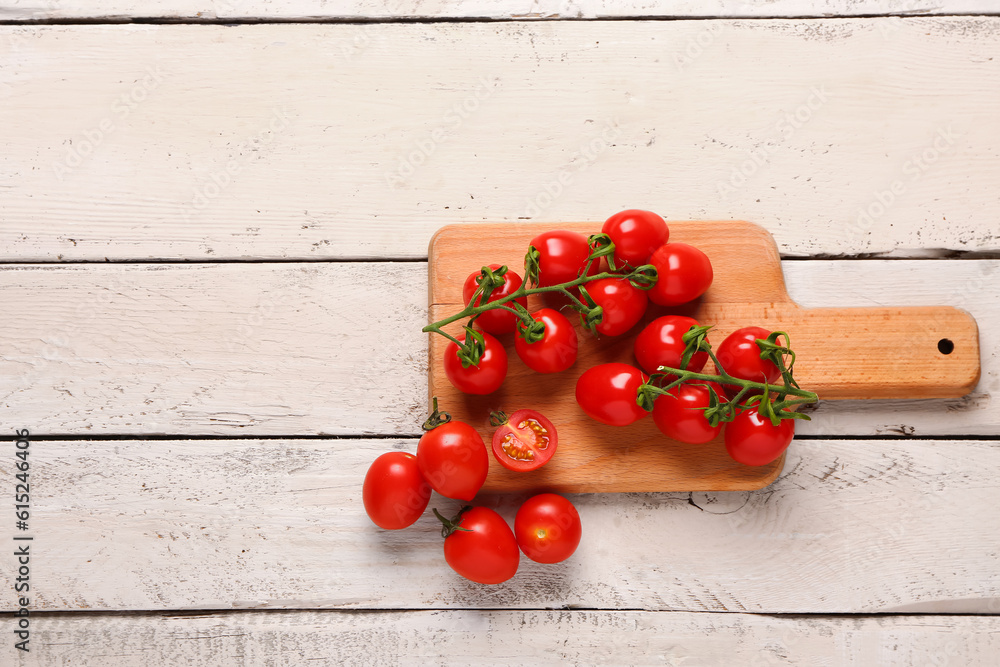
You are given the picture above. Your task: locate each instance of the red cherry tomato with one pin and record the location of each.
(556, 351)
(623, 305)
(547, 528)
(608, 393)
(486, 552)
(497, 321)
(395, 493)
(678, 416)
(525, 441)
(636, 235)
(483, 378)
(739, 355)
(683, 274)
(452, 458)
(660, 344)
(754, 441)
(562, 256)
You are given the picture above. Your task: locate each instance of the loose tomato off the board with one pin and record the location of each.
(452, 458)
(480, 546)
(607, 393)
(395, 494)
(547, 528)
(524, 441)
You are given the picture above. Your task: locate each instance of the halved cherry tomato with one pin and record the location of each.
(452, 458)
(609, 392)
(622, 304)
(678, 414)
(739, 355)
(660, 344)
(524, 441)
(498, 321)
(683, 274)
(547, 528)
(754, 440)
(483, 378)
(395, 494)
(562, 256)
(636, 234)
(485, 551)
(556, 351)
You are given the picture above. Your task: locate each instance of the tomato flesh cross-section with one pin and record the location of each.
(524, 441)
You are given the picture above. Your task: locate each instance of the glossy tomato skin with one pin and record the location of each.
(563, 254)
(622, 304)
(739, 355)
(497, 321)
(754, 441)
(556, 351)
(452, 458)
(678, 416)
(487, 552)
(683, 274)
(526, 442)
(608, 393)
(395, 493)
(483, 378)
(660, 344)
(547, 528)
(636, 234)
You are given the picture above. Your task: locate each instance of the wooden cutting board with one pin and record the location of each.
(842, 353)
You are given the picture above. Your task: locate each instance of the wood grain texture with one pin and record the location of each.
(478, 9)
(508, 638)
(859, 353)
(328, 348)
(206, 142)
(851, 526)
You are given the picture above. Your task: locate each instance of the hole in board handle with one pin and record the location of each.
(945, 346)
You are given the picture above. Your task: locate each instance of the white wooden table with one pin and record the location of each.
(213, 229)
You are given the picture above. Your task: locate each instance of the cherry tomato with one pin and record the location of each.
(683, 274)
(623, 305)
(608, 393)
(562, 256)
(636, 235)
(678, 416)
(556, 351)
(452, 458)
(754, 441)
(739, 355)
(395, 493)
(497, 321)
(486, 552)
(525, 441)
(547, 528)
(660, 344)
(483, 378)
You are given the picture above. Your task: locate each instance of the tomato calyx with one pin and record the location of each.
(436, 418)
(449, 526)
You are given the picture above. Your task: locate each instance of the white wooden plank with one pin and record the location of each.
(21, 10)
(329, 348)
(508, 638)
(298, 141)
(215, 348)
(851, 526)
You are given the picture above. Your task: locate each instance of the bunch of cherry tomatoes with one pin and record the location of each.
(609, 279)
